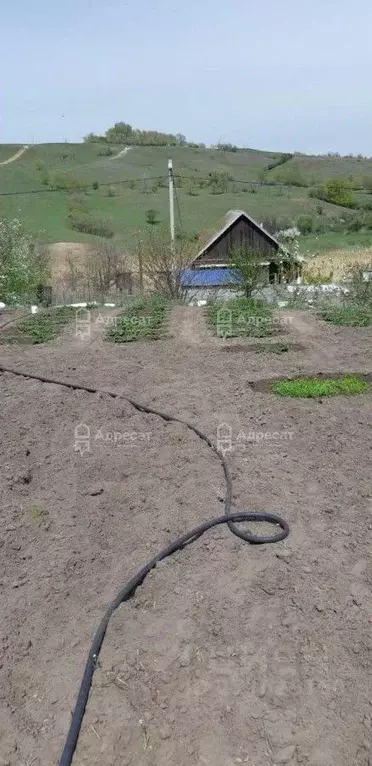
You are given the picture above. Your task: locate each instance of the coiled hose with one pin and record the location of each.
(127, 591)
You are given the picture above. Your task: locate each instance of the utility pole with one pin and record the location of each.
(171, 200)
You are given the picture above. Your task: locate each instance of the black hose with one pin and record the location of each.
(128, 590)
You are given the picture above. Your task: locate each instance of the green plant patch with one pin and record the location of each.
(143, 321)
(275, 348)
(265, 348)
(241, 317)
(309, 388)
(349, 316)
(42, 327)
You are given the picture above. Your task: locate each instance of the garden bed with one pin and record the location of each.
(144, 320)
(38, 328)
(351, 316)
(242, 317)
(316, 386)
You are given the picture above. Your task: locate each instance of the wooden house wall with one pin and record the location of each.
(240, 233)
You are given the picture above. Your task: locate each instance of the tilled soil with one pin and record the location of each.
(228, 653)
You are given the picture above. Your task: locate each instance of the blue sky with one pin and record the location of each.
(276, 74)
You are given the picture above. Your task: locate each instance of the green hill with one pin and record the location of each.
(136, 181)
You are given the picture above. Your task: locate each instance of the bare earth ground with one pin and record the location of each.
(229, 653)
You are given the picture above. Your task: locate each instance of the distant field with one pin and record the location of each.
(321, 168)
(339, 261)
(45, 212)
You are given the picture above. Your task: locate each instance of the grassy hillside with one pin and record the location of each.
(132, 193)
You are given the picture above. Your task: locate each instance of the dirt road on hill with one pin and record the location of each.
(15, 156)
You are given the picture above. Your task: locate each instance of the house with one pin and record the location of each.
(211, 272)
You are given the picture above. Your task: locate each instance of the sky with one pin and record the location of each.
(284, 75)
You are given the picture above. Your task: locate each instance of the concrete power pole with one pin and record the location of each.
(171, 200)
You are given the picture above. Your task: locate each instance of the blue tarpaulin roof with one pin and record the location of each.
(209, 277)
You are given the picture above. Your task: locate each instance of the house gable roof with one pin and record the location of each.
(225, 224)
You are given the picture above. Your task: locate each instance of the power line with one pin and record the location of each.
(130, 181)
(250, 182)
(178, 208)
(73, 188)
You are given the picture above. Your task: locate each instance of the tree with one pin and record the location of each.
(181, 139)
(227, 147)
(335, 190)
(23, 263)
(120, 133)
(162, 261)
(151, 217)
(92, 138)
(219, 181)
(249, 265)
(123, 133)
(103, 264)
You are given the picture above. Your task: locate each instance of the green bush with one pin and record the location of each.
(337, 191)
(280, 161)
(227, 148)
(88, 225)
(218, 181)
(355, 224)
(106, 151)
(95, 185)
(151, 217)
(78, 203)
(349, 316)
(92, 138)
(367, 205)
(67, 183)
(44, 173)
(305, 224)
(193, 190)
